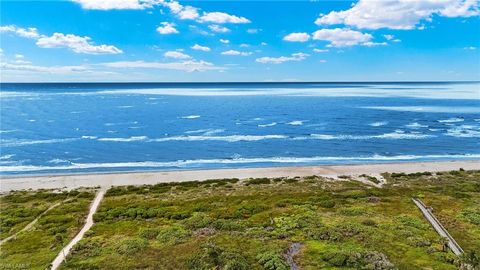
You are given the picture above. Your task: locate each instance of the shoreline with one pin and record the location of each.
(73, 181)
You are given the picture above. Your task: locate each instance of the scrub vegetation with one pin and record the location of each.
(36, 247)
(280, 223)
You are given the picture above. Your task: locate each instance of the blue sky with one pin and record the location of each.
(163, 40)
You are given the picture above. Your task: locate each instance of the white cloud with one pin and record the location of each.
(264, 44)
(398, 14)
(253, 30)
(188, 13)
(470, 48)
(339, 37)
(19, 56)
(319, 50)
(188, 66)
(112, 4)
(167, 28)
(176, 55)
(281, 59)
(244, 45)
(181, 11)
(391, 38)
(224, 41)
(200, 48)
(43, 69)
(218, 29)
(322, 61)
(30, 32)
(76, 43)
(297, 37)
(222, 17)
(388, 37)
(234, 52)
(374, 44)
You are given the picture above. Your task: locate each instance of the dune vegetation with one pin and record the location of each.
(282, 223)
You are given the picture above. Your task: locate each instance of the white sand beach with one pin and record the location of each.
(141, 178)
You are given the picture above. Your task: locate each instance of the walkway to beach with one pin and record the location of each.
(30, 225)
(88, 224)
(452, 244)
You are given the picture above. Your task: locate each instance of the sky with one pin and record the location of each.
(210, 41)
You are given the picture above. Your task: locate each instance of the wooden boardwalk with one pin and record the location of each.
(452, 244)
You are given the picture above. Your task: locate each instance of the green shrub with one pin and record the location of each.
(213, 257)
(198, 220)
(257, 181)
(472, 216)
(327, 203)
(131, 246)
(172, 235)
(149, 233)
(272, 260)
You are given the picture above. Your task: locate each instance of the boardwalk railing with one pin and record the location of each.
(452, 244)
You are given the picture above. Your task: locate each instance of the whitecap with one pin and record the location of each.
(427, 109)
(22, 142)
(4, 157)
(89, 137)
(58, 161)
(464, 131)
(415, 125)
(125, 106)
(451, 120)
(190, 117)
(7, 131)
(205, 131)
(130, 139)
(378, 124)
(230, 138)
(268, 125)
(296, 123)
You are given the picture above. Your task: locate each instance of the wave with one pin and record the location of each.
(392, 135)
(464, 131)
(228, 138)
(427, 109)
(451, 120)
(190, 117)
(296, 123)
(208, 135)
(7, 131)
(4, 157)
(207, 132)
(131, 139)
(258, 160)
(13, 143)
(268, 125)
(378, 124)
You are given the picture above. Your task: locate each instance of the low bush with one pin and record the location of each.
(131, 246)
(272, 260)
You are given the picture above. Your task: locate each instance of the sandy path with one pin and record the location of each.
(30, 225)
(88, 224)
(140, 178)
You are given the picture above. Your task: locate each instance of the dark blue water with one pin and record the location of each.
(65, 128)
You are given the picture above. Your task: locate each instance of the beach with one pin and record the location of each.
(74, 181)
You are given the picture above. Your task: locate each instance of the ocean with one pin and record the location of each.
(61, 128)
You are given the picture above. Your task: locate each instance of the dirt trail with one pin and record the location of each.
(30, 225)
(290, 253)
(88, 224)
